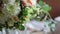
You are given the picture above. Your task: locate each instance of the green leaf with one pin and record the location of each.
(41, 3)
(21, 27)
(46, 7)
(17, 1)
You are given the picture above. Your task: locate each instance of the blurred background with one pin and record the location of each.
(55, 12)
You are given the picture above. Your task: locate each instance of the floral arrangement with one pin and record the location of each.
(14, 13)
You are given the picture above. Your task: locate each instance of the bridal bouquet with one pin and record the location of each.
(14, 13)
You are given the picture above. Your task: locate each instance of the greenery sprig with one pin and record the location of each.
(25, 13)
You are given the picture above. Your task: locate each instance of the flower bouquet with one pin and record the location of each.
(16, 14)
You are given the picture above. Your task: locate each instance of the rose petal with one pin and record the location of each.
(26, 2)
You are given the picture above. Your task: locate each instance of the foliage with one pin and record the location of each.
(25, 13)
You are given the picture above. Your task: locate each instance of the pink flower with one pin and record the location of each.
(26, 2)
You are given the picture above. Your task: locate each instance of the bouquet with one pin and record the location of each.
(14, 13)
